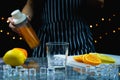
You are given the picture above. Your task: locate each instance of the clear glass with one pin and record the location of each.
(57, 53)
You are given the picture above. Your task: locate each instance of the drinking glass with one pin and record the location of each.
(57, 53)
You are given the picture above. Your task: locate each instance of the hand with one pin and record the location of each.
(94, 3)
(101, 3)
(12, 26)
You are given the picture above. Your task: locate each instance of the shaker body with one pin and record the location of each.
(28, 33)
(24, 27)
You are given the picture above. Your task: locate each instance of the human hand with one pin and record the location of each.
(12, 26)
(94, 3)
(101, 3)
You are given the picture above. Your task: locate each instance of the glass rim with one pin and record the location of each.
(57, 43)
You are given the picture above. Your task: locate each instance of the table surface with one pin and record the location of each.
(42, 62)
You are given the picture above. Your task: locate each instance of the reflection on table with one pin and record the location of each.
(36, 69)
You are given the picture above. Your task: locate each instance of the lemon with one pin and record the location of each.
(105, 58)
(24, 51)
(14, 57)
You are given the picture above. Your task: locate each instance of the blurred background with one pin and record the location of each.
(105, 27)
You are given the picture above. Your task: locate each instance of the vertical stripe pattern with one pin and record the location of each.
(62, 23)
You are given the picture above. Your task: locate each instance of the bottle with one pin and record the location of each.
(27, 32)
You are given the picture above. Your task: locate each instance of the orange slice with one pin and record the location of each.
(84, 60)
(91, 59)
(78, 58)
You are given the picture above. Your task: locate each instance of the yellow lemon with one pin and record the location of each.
(105, 58)
(24, 51)
(14, 57)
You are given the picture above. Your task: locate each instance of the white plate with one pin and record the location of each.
(72, 62)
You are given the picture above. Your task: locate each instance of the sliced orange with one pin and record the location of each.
(78, 58)
(84, 60)
(91, 59)
(23, 50)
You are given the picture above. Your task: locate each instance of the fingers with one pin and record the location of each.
(10, 19)
(101, 3)
(11, 23)
(12, 26)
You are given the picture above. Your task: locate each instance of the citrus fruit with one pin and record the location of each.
(84, 60)
(14, 57)
(78, 58)
(24, 51)
(91, 59)
(106, 58)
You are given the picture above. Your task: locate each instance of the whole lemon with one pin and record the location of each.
(24, 51)
(14, 57)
